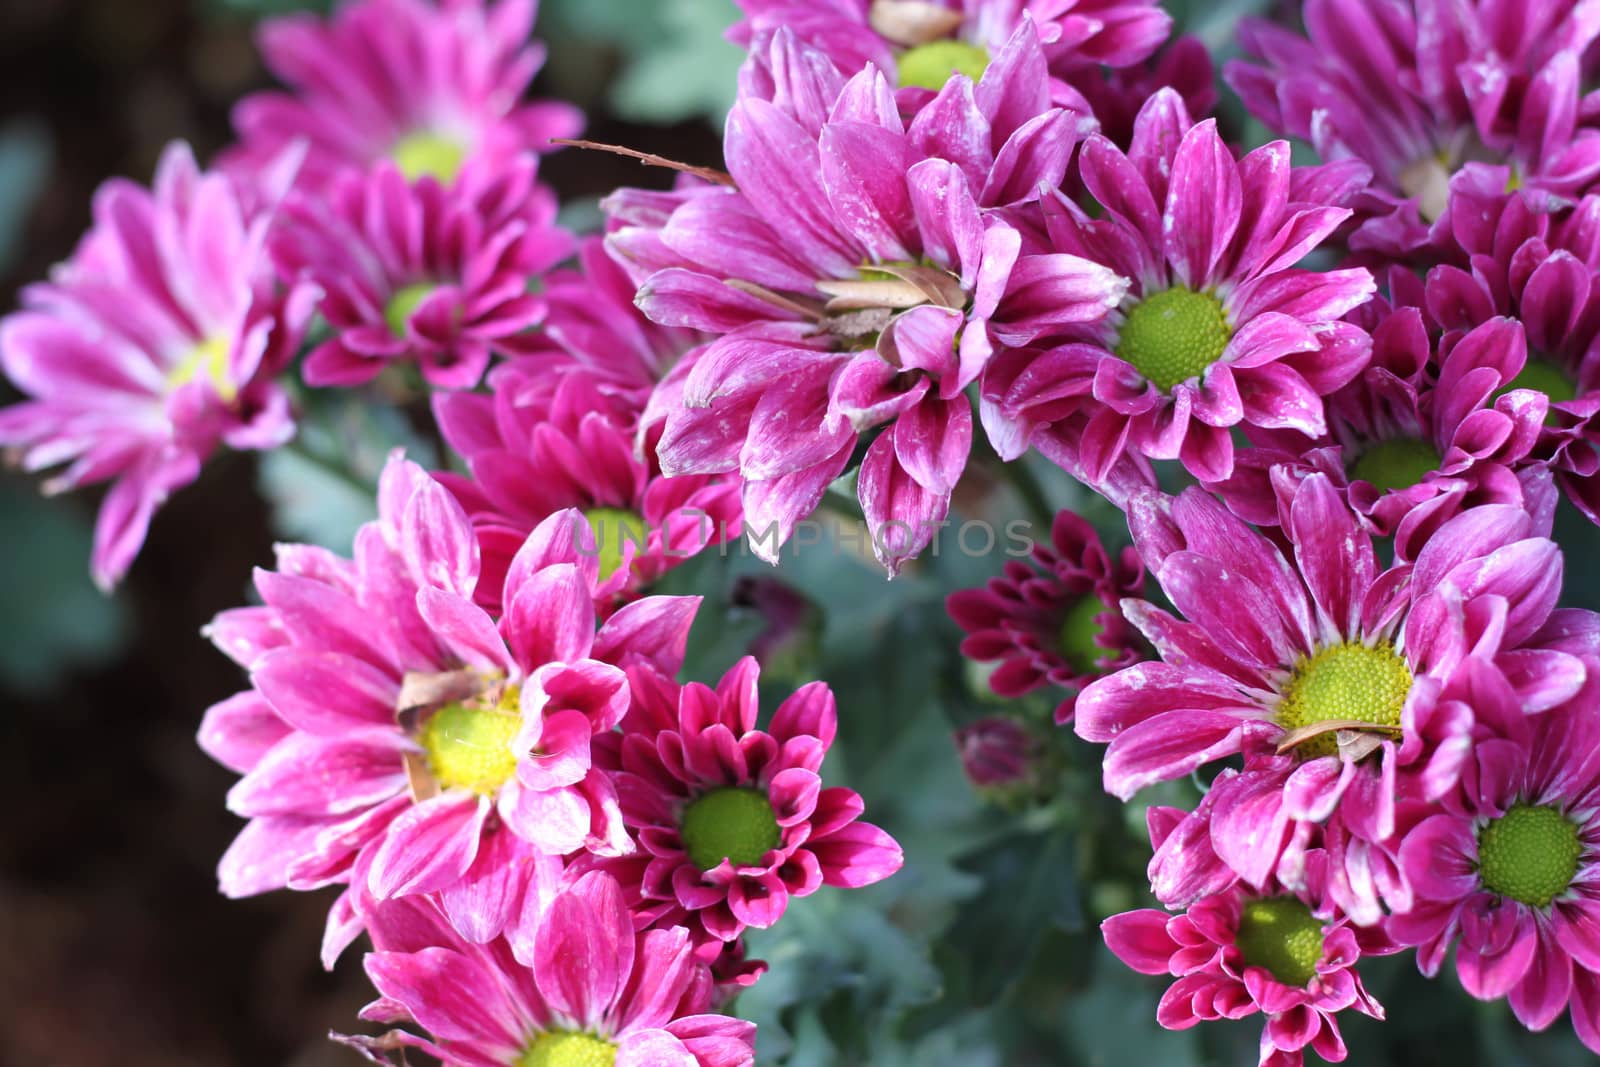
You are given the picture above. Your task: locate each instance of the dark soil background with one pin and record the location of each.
(115, 948)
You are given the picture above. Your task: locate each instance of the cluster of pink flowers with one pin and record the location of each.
(998, 226)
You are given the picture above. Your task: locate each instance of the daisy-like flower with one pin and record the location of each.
(849, 278)
(394, 728)
(1416, 425)
(1420, 91)
(1056, 621)
(922, 44)
(532, 454)
(422, 272)
(158, 341)
(1239, 952)
(588, 991)
(1334, 680)
(1510, 874)
(734, 820)
(1217, 329)
(429, 86)
(1115, 97)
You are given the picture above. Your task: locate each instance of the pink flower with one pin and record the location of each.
(1509, 872)
(923, 43)
(532, 454)
(585, 990)
(422, 272)
(1218, 328)
(158, 341)
(1417, 437)
(1342, 686)
(430, 87)
(733, 821)
(1056, 622)
(849, 279)
(1420, 91)
(1116, 96)
(394, 728)
(996, 751)
(1238, 952)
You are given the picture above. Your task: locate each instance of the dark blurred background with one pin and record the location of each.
(115, 947)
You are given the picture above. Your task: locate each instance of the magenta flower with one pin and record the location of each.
(924, 43)
(1115, 97)
(1416, 426)
(158, 341)
(532, 454)
(997, 752)
(1218, 328)
(587, 991)
(1509, 872)
(849, 279)
(1335, 681)
(1420, 91)
(422, 272)
(734, 820)
(429, 87)
(1237, 953)
(393, 725)
(1057, 621)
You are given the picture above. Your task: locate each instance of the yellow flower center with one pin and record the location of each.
(402, 305)
(425, 152)
(1344, 686)
(613, 528)
(1529, 854)
(470, 747)
(929, 66)
(566, 1048)
(1174, 335)
(730, 823)
(209, 357)
(1281, 934)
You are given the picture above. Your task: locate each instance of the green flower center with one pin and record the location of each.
(469, 747)
(730, 823)
(1078, 632)
(209, 357)
(1397, 464)
(929, 66)
(1529, 854)
(428, 153)
(403, 304)
(1174, 335)
(1543, 375)
(1281, 934)
(565, 1048)
(1347, 685)
(613, 528)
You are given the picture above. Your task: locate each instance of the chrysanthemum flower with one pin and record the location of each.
(422, 272)
(922, 44)
(1057, 621)
(849, 278)
(532, 453)
(1115, 97)
(428, 86)
(1509, 873)
(392, 722)
(1239, 952)
(1417, 425)
(1217, 329)
(734, 819)
(589, 992)
(156, 342)
(1420, 91)
(1334, 680)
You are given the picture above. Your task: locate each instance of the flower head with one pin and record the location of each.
(429, 87)
(158, 341)
(395, 730)
(734, 820)
(422, 272)
(585, 991)
(1216, 327)
(1057, 621)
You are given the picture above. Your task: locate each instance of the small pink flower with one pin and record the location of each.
(584, 989)
(430, 87)
(1239, 952)
(1509, 872)
(396, 733)
(734, 820)
(422, 272)
(996, 751)
(1057, 621)
(1218, 328)
(158, 341)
